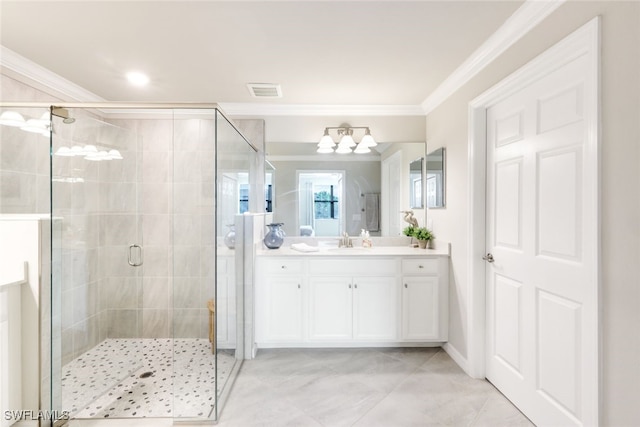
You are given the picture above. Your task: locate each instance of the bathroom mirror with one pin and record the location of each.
(416, 180)
(362, 201)
(435, 182)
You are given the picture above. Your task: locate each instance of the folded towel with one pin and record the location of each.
(303, 247)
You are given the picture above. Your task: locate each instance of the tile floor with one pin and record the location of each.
(392, 387)
(106, 382)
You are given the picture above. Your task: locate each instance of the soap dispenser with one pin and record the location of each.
(366, 239)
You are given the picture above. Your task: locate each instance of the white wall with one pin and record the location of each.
(620, 188)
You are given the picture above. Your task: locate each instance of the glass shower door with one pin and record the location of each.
(97, 284)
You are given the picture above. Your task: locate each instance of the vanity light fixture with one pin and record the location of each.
(346, 142)
(15, 119)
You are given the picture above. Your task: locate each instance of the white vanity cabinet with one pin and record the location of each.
(352, 299)
(352, 308)
(423, 295)
(375, 308)
(326, 300)
(280, 299)
(330, 308)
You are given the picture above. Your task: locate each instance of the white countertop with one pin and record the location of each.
(441, 250)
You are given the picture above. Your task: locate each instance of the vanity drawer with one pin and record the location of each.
(282, 265)
(353, 267)
(420, 266)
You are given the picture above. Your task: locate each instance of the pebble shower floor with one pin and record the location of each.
(105, 382)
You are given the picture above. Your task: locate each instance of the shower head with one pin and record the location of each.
(63, 113)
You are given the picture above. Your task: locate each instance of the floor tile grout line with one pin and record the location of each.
(395, 388)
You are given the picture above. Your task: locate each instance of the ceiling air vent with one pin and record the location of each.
(265, 90)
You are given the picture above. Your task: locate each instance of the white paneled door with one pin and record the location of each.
(541, 237)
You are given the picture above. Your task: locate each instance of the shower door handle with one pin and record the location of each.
(137, 261)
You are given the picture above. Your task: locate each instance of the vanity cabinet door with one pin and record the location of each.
(375, 302)
(280, 317)
(330, 312)
(420, 312)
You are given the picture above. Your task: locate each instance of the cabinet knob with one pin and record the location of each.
(349, 285)
(298, 285)
(355, 286)
(284, 267)
(421, 266)
(406, 286)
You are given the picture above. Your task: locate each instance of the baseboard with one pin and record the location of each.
(457, 357)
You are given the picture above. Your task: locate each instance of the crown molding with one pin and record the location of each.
(25, 68)
(250, 109)
(530, 14)
(517, 25)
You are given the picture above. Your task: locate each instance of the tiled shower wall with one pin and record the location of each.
(176, 205)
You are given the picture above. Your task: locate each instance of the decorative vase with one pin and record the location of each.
(275, 237)
(422, 244)
(230, 237)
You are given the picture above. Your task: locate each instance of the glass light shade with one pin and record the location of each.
(64, 151)
(12, 118)
(368, 141)
(96, 157)
(326, 141)
(77, 150)
(347, 140)
(36, 126)
(343, 149)
(115, 155)
(324, 150)
(361, 149)
(89, 149)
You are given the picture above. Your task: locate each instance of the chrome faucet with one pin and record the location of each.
(345, 242)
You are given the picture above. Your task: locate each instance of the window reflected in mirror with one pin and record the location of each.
(320, 203)
(435, 182)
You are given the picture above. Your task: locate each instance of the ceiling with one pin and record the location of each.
(320, 52)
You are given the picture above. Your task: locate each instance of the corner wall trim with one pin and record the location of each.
(530, 14)
(25, 68)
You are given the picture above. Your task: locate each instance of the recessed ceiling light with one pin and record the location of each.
(137, 78)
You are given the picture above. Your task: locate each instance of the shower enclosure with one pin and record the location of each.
(140, 316)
